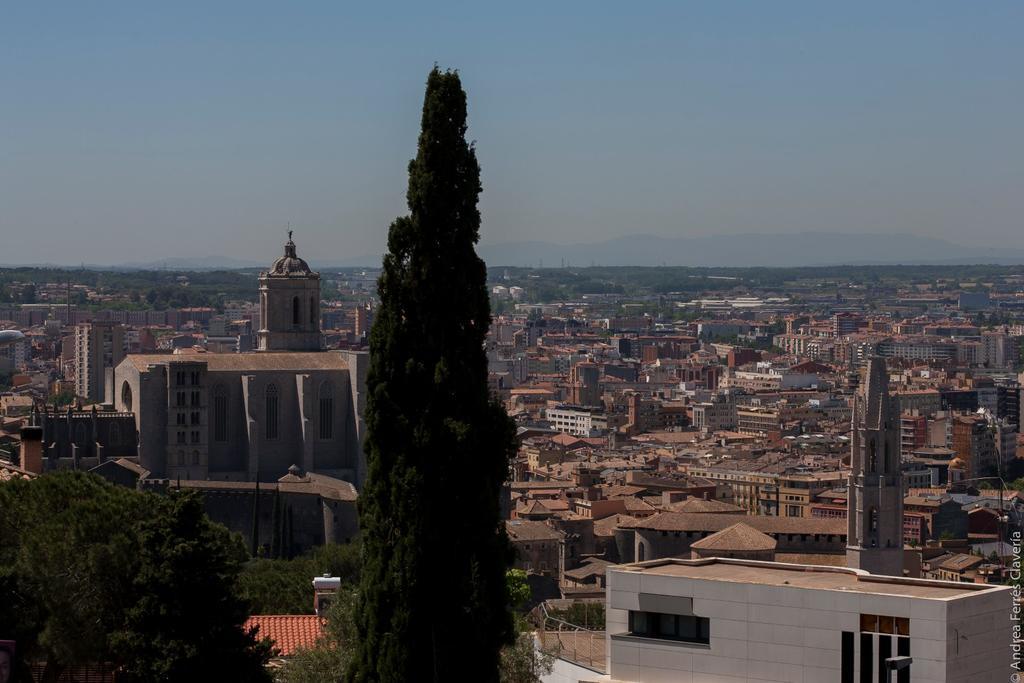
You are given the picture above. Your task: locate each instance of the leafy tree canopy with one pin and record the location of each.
(90, 573)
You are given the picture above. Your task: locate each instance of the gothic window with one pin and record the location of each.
(872, 457)
(126, 396)
(195, 398)
(885, 451)
(273, 411)
(873, 519)
(327, 410)
(220, 413)
(194, 418)
(295, 311)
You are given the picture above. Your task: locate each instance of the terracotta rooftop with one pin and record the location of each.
(638, 505)
(700, 505)
(737, 537)
(689, 521)
(592, 566)
(535, 507)
(289, 632)
(9, 472)
(525, 530)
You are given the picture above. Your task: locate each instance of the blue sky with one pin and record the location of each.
(138, 131)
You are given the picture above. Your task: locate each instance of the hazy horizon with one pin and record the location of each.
(135, 134)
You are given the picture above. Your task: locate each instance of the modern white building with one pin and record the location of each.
(730, 621)
(577, 420)
(721, 620)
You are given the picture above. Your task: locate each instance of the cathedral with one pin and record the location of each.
(249, 416)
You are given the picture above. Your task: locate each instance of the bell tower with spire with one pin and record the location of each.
(874, 539)
(289, 305)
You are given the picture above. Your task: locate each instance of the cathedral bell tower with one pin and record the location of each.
(289, 305)
(874, 539)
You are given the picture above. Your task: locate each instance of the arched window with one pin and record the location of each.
(273, 412)
(326, 410)
(126, 396)
(220, 413)
(295, 311)
(873, 519)
(872, 457)
(641, 552)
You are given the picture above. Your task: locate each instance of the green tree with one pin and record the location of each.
(521, 661)
(327, 661)
(90, 572)
(66, 546)
(437, 441)
(186, 621)
(283, 586)
(518, 588)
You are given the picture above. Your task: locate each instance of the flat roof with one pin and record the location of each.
(248, 361)
(804, 576)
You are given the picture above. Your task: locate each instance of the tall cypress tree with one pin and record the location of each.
(433, 602)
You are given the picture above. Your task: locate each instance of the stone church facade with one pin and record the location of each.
(243, 416)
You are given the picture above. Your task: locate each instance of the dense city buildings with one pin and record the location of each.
(861, 437)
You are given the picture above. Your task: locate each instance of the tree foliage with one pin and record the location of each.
(90, 572)
(283, 586)
(327, 661)
(433, 600)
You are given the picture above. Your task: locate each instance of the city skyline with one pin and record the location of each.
(592, 123)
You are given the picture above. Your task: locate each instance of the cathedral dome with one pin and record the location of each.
(290, 263)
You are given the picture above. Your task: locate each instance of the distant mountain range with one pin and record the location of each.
(774, 250)
(767, 250)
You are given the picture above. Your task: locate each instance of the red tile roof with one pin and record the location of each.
(289, 632)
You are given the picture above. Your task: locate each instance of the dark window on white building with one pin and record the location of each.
(681, 627)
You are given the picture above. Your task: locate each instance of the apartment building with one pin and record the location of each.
(98, 348)
(577, 420)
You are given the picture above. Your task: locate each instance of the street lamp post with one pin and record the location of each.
(894, 664)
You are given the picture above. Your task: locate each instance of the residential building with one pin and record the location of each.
(98, 348)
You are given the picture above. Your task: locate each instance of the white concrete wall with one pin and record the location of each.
(567, 672)
(778, 633)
